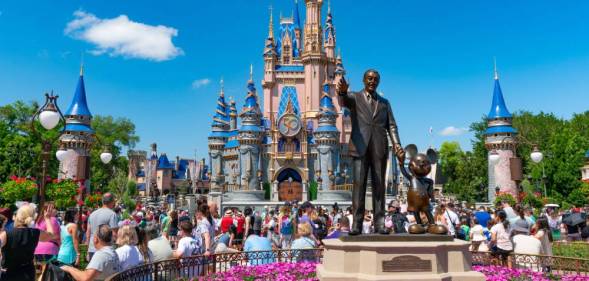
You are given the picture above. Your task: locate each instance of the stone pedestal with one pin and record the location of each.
(397, 257)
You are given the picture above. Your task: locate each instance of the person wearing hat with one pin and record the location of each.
(307, 208)
(523, 242)
(227, 221)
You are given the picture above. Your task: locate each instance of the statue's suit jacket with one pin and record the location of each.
(370, 125)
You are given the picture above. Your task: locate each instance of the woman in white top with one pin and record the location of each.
(544, 235)
(500, 237)
(477, 235)
(129, 254)
(205, 229)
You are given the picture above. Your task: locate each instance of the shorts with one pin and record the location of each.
(503, 254)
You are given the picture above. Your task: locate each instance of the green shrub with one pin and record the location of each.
(267, 190)
(313, 190)
(505, 197)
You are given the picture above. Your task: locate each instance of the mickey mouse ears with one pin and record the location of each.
(411, 151)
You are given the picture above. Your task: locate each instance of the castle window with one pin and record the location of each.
(286, 54)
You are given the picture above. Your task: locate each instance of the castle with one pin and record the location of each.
(299, 135)
(156, 175)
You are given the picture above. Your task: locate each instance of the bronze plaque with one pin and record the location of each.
(407, 264)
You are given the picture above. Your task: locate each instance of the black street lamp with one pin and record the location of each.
(49, 116)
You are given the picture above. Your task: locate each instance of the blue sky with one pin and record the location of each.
(435, 59)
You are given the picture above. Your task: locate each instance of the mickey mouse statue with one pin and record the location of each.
(421, 189)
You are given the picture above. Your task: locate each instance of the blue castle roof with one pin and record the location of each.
(498, 107)
(164, 163)
(79, 105)
(221, 117)
(251, 101)
(326, 101)
(504, 129)
(587, 154)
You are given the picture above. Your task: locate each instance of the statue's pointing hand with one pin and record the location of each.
(342, 86)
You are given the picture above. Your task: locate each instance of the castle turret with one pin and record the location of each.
(297, 27)
(78, 136)
(217, 140)
(313, 28)
(501, 142)
(250, 138)
(329, 36)
(326, 138)
(232, 116)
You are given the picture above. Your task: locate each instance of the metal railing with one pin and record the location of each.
(195, 266)
(539, 263)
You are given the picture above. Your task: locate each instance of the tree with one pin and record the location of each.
(118, 185)
(462, 171)
(115, 134)
(131, 188)
(20, 147)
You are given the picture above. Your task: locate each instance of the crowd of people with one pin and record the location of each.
(119, 239)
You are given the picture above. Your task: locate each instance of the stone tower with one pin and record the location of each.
(500, 139)
(327, 139)
(217, 139)
(78, 136)
(250, 138)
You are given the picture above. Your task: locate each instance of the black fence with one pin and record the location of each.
(538, 263)
(195, 266)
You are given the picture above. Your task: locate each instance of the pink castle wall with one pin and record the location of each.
(503, 173)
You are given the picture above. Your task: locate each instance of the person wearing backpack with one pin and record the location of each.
(285, 227)
(452, 219)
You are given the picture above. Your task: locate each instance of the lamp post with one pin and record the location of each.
(49, 116)
(537, 157)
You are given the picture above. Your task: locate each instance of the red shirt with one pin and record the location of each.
(240, 224)
(226, 223)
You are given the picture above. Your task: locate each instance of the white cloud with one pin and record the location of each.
(200, 83)
(121, 36)
(453, 131)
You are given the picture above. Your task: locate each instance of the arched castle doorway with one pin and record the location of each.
(290, 185)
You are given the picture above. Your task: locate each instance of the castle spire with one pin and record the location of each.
(271, 25)
(295, 16)
(251, 73)
(79, 104)
(498, 107)
(495, 69)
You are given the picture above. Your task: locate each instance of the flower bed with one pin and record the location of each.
(500, 273)
(280, 271)
(18, 189)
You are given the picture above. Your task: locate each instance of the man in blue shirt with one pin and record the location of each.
(482, 216)
(255, 243)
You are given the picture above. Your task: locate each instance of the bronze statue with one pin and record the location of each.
(421, 189)
(372, 119)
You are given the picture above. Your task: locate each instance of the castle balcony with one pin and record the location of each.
(342, 187)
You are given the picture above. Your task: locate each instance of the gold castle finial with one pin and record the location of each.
(495, 69)
(271, 25)
(82, 65)
(252, 72)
